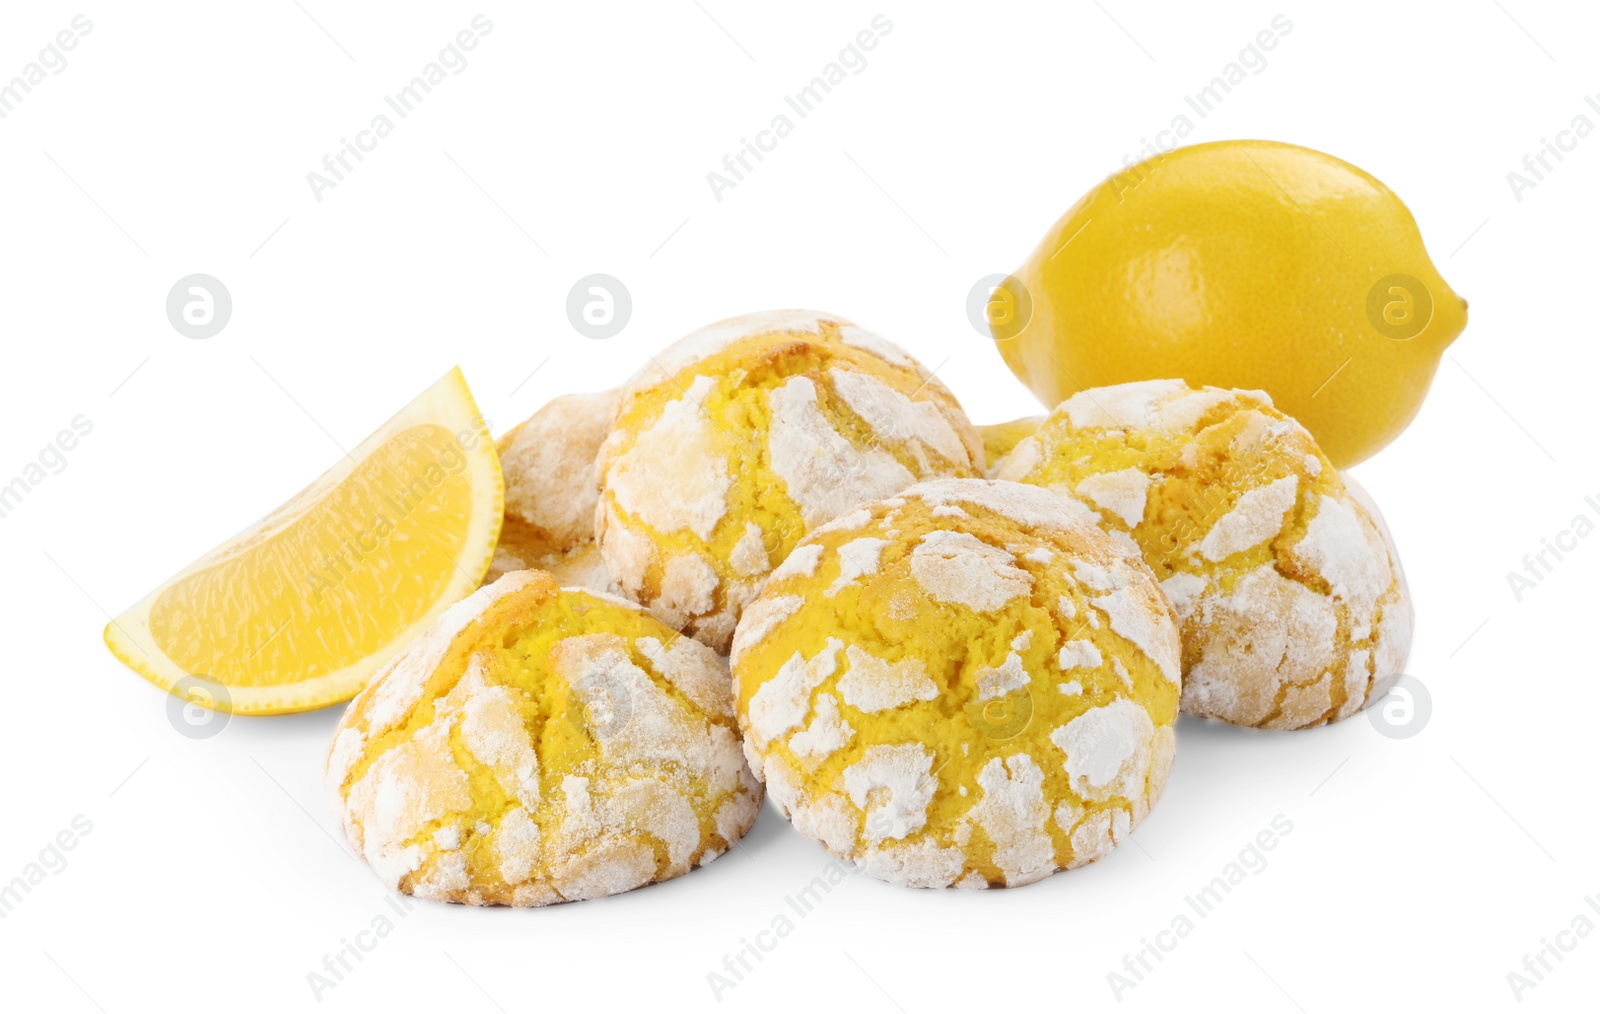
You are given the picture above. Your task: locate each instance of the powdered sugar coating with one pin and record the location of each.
(904, 717)
(397, 688)
(871, 684)
(732, 444)
(1257, 517)
(1012, 813)
(889, 411)
(1002, 679)
(800, 563)
(1132, 617)
(749, 557)
(673, 475)
(647, 754)
(548, 464)
(1121, 492)
(1124, 406)
(825, 473)
(958, 568)
(1283, 582)
(781, 704)
(857, 559)
(1109, 749)
(1079, 655)
(763, 617)
(1169, 405)
(551, 491)
(1028, 506)
(714, 338)
(827, 733)
(902, 769)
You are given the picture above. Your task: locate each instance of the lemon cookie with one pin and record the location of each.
(540, 745)
(736, 441)
(1000, 438)
(548, 464)
(1293, 608)
(967, 684)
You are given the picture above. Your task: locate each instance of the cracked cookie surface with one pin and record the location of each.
(733, 443)
(541, 745)
(968, 684)
(1293, 607)
(548, 464)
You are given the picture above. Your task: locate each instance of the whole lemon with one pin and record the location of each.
(1239, 264)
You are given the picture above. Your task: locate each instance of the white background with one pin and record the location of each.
(577, 140)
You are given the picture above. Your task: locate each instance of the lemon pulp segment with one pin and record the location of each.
(302, 608)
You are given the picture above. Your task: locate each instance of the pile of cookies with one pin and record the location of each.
(781, 555)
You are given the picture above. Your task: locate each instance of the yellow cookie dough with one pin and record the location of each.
(736, 441)
(1294, 609)
(548, 464)
(1000, 438)
(540, 745)
(967, 684)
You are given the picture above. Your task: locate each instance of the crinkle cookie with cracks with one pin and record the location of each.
(548, 464)
(733, 443)
(968, 684)
(1293, 605)
(540, 745)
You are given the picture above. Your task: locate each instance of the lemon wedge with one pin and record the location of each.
(301, 609)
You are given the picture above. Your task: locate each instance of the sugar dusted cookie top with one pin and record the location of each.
(548, 464)
(732, 444)
(1000, 438)
(540, 745)
(1293, 608)
(967, 684)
